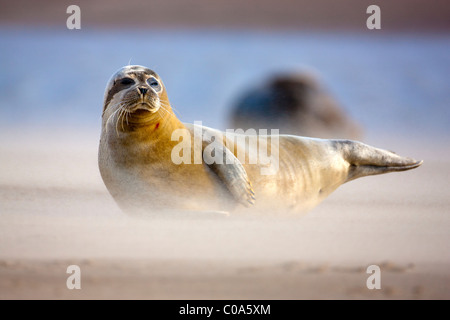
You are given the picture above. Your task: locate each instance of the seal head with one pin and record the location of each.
(133, 88)
(133, 97)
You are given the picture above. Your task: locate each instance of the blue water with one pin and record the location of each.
(392, 83)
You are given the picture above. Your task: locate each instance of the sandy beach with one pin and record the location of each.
(56, 212)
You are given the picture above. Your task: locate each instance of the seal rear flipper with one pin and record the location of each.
(365, 160)
(367, 170)
(232, 173)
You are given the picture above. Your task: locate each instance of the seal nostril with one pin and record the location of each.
(143, 90)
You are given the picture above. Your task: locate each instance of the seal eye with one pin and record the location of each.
(154, 84)
(126, 81)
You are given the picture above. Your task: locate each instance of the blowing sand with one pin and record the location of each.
(56, 212)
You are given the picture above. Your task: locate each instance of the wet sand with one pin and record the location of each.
(56, 212)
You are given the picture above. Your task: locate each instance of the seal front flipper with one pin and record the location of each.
(230, 171)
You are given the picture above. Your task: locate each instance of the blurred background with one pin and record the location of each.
(209, 53)
(393, 83)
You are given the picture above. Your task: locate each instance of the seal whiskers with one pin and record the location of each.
(112, 117)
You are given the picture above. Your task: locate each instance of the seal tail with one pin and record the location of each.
(365, 160)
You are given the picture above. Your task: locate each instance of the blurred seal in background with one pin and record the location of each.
(297, 104)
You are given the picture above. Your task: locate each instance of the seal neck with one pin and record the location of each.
(152, 125)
